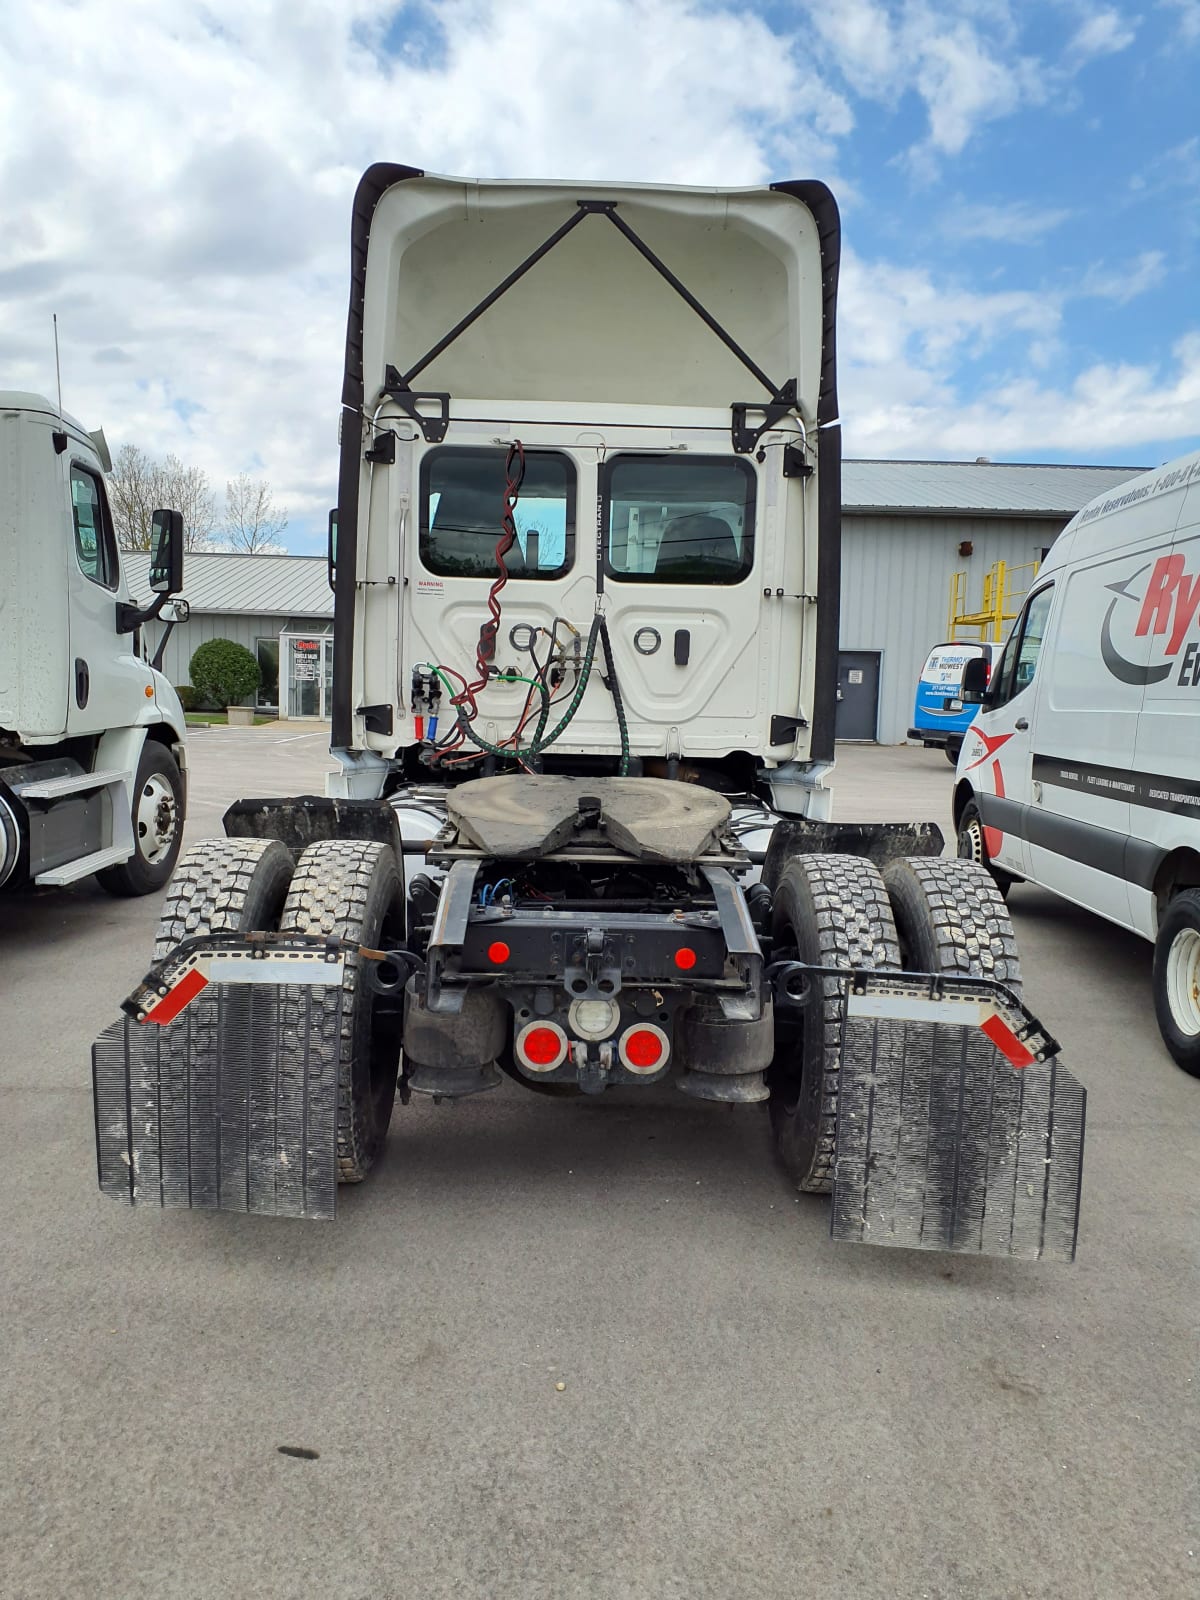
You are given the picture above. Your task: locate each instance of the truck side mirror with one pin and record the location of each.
(166, 573)
(331, 548)
(166, 560)
(975, 681)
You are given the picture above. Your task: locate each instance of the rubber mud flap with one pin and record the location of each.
(943, 1145)
(230, 1107)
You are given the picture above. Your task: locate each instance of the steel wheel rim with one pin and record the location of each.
(1183, 980)
(970, 843)
(156, 819)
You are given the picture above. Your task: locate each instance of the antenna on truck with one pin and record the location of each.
(59, 437)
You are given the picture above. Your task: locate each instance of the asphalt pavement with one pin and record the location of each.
(749, 1410)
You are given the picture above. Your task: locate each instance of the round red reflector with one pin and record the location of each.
(685, 959)
(498, 952)
(643, 1048)
(541, 1046)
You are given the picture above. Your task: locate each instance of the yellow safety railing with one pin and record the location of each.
(1000, 602)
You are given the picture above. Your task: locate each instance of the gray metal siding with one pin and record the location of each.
(240, 627)
(896, 590)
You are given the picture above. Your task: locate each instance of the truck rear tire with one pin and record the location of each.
(157, 826)
(1177, 979)
(828, 911)
(352, 889)
(951, 918)
(225, 886)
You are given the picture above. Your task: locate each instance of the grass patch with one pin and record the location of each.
(216, 719)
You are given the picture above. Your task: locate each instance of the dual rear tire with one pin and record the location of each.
(345, 888)
(922, 914)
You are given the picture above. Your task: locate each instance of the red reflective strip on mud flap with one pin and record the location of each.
(173, 1002)
(1006, 1041)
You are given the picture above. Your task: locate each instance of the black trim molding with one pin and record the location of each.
(823, 207)
(371, 187)
(1153, 790)
(1120, 855)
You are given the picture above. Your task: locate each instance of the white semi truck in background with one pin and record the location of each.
(585, 659)
(93, 755)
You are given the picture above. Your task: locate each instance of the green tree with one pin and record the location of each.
(224, 672)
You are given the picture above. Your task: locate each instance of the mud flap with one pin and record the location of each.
(219, 1088)
(959, 1128)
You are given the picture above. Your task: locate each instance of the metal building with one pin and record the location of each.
(907, 527)
(253, 600)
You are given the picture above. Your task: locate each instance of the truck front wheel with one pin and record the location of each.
(157, 826)
(972, 846)
(351, 889)
(828, 911)
(1177, 979)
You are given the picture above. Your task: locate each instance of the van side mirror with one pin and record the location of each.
(975, 678)
(331, 548)
(166, 560)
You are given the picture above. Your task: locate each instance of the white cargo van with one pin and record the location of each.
(93, 756)
(1081, 772)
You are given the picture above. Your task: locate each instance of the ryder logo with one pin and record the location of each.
(1167, 610)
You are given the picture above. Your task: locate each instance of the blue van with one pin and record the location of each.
(939, 715)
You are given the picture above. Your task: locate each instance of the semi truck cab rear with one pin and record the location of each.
(580, 836)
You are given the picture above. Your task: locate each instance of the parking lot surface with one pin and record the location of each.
(749, 1410)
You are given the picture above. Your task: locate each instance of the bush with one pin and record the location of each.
(188, 698)
(224, 672)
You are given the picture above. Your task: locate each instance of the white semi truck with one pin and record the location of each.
(586, 584)
(93, 756)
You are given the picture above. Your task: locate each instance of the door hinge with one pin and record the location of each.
(784, 729)
(378, 719)
(383, 449)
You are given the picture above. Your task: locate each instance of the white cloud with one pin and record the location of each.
(894, 316)
(177, 185)
(1122, 285)
(906, 345)
(1188, 18)
(959, 56)
(1015, 222)
(1106, 410)
(1103, 33)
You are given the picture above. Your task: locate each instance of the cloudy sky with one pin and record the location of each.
(1019, 183)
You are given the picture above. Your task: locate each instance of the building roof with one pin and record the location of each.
(272, 586)
(978, 488)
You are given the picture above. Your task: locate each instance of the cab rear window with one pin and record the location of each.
(462, 502)
(678, 519)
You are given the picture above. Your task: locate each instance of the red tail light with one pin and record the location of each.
(685, 958)
(541, 1046)
(498, 953)
(644, 1048)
